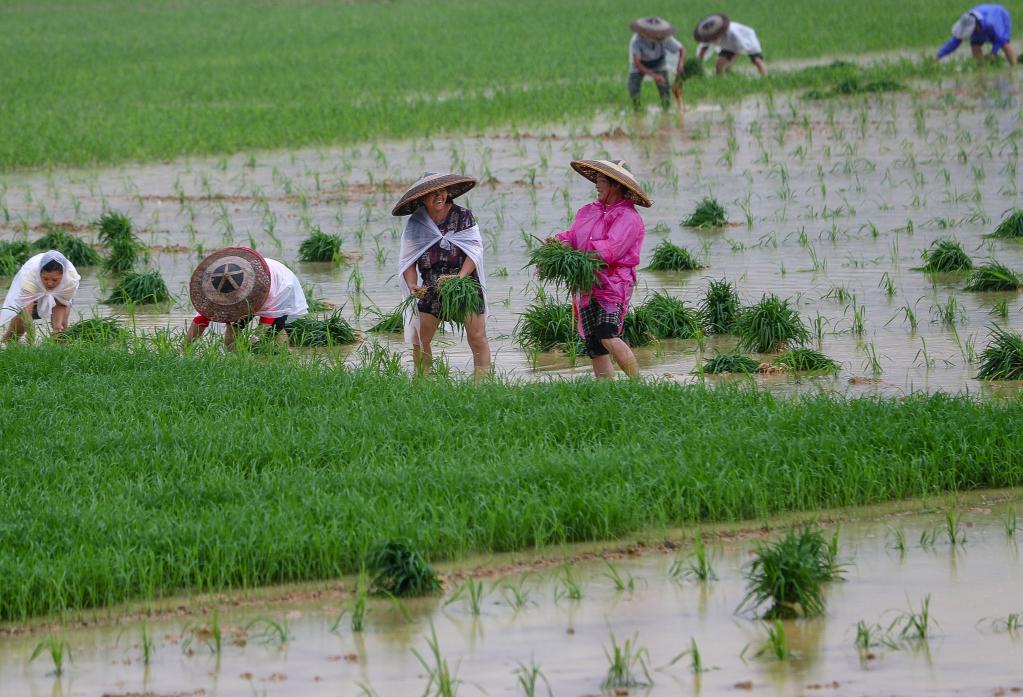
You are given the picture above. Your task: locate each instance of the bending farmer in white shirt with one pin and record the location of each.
(734, 40)
(43, 289)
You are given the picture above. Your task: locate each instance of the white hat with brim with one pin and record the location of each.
(456, 184)
(618, 171)
(711, 28)
(964, 26)
(653, 28)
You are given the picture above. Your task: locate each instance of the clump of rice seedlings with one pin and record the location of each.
(692, 68)
(1010, 523)
(528, 677)
(401, 571)
(117, 232)
(670, 318)
(621, 583)
(1011, 624)
(954, 528)
(459, 298)
(720, 307)
(639, 328)
(806, 359)
(770, 325)
(1011, 226)
(707, 214)
(320, 246)
(700, 565)
(473, 591)
(59, 650)
(142, 288)
(393, 322)
(332, 330)
(945, 256)
(443, 682)
(548, 325)
(77, 251)
(914, 626)
(993, 276)
(626, 662)
(671, 257)
(569, 586)
(1003, 357)
(729, 363)
(777, 644)
(13, 255)
(790, 575)
(97, 330)
(695, 659)
(565, 267)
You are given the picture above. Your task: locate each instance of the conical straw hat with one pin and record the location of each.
(456, 184)
(653, 28)
(616, 170)
(711, 28)
(230, 284)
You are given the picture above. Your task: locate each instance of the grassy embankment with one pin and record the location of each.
(135, 475)
(111, 80)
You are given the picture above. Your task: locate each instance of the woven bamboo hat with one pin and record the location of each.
(619, 172)
(230, 284)
(653, 28)
(456, 184)
(711, 28)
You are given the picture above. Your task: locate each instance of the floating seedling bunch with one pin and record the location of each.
(332, 330)
(77, 251)
(707, 214)
(459, 299)
(1003, 357)
(638, 328)
(993, 276)
(730, 363)
(96, 330)
(668, 317)
(720, 307)
(1011, 225)
(320, 246)
(565, 267)
(945, 256)
(401, 571)
(139, 288)
(117, 233)
(770, 325)
(670, 257)
(806, 360)
(548, 325)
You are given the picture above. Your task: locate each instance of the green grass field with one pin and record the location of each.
(110, 80)
(135, 475)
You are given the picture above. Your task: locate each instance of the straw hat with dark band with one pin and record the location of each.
(230, 284)
(711, 28)
(616, 170)
(456, 184)
(653, 28)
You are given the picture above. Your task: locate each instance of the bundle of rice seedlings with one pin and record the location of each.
(692, 68)
(401, 571)
(141, 288)
(670, 318)
(459, 298)
(313, 331)
(316, 304)
(394, 321)
(993, 276)
(97, 330)
(77, 251)
(548, 325)
(790, 575)
(1011, 225)
(1003, 357)
(770, 325)
(117, 233)
(806, 359)
(708, 213)
(565, 267)
(638, 328)
(13, 255)
(730, 363)
(944, 256)
(670, 257)
(720, 307)
(320, 246)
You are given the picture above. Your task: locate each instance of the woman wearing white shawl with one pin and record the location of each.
(440, 240)
(42, 289)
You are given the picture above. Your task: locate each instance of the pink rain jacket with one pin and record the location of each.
(614, 232)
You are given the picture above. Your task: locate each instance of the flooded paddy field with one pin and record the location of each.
(547, 623)
(830, 204)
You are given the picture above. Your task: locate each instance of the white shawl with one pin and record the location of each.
(419, 235)
(27, 287)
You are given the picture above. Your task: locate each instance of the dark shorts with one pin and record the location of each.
(731, 54)
(35, 311)
(599, 324)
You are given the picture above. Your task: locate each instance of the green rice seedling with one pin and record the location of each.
(729, 363)
(269, 630)
(807, 359)
(870, 636)
(571, 269)
(359, 605)
(548, 325)
(700, 564)
(139, 288)
(59, 650)
(621, 583)
(670, 318)
(887, 283)
(914, 626)
(528, 677)
(1011, 226)
(473, 592)
(670, 257)
(117, 233)
(776, 644)
(333, 330)
(1000, 309)
(625, 664)
(950, 313)
(898, 536)
(393, 322)
(720, 307)
(1002, 359)
(459, 298)
(442, 680)
(639, 328)
(316, 304)
(945, 256)
(77, 251)
(696, 666)
(1009, 522)
(707, 214)
(96, 330)
(790, 575)
(320, 246)
(993, 276)
(568, 585)
(692, 68)
(1011, 624)
(927, 538)
(516, 594)
(954, 528)
(401, 571)
(770, 325)
(148, 646)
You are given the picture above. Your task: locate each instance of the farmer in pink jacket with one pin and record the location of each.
(611, 227)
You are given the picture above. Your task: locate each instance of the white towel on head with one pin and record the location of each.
(27, 287)
(964, 26)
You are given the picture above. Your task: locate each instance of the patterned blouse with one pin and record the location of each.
(438, 261)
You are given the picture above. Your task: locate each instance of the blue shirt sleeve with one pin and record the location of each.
(949, 47)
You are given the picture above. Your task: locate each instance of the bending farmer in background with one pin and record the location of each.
(984, 24)
(43, 288)
(648, 56)
(732, 39)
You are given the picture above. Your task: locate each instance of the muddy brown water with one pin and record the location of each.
(969, 586)
(828, 202)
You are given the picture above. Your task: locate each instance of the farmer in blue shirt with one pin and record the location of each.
(984, 24)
